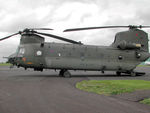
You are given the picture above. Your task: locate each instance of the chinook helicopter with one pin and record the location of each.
(128, 50)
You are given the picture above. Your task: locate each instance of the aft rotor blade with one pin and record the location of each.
(103, 27)
(59, 38)
(90, 28)
(9, 36)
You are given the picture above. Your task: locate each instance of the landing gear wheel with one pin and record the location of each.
(118, 73)
(64, 73)
(133, 74)
(61, 73)
(140, 73)
(67, 74)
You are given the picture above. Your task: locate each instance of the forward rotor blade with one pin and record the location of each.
(59, 38)
(9, 36)
(41, 28)
(144, 26)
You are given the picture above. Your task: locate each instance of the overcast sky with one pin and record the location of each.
(16, 15)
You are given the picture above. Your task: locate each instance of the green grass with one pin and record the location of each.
(145, 101)
(5, 64)
(143, 66)
(112, 87)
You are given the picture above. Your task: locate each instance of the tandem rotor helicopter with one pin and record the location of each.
(128, 50)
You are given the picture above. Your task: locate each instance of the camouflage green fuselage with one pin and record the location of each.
(78, 57)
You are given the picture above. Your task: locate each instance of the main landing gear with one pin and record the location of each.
(118, 73)
(64, 73)
(132, 73)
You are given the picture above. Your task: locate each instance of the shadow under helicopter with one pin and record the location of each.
(79, 76)
(75, 74)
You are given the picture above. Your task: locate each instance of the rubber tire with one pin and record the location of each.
(67, 74)
(118, 73)
(61, 73)
(133, 74)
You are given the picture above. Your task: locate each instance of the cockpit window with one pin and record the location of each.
(21, 50)
(17, 51)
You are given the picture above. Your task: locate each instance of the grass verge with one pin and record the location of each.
(143, 65)
(112, 87)
(145, 101)
(5, 64)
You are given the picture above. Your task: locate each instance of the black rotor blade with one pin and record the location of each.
(144, 26)
(90, 28)
(59, 38)
(41, 29)
(9, 36)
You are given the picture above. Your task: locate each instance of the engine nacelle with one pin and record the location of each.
(124, 45)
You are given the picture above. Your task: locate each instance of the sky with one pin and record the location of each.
(16, 15)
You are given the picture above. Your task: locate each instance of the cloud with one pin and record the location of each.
(20, 20)
(61, 14)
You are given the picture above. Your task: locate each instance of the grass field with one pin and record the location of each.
(143, 66)
(145, 101)
(5, 64)
(113, 87)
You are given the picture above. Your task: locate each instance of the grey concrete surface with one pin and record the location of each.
(44, 92)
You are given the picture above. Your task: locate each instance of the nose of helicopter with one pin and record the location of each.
(21, 62)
